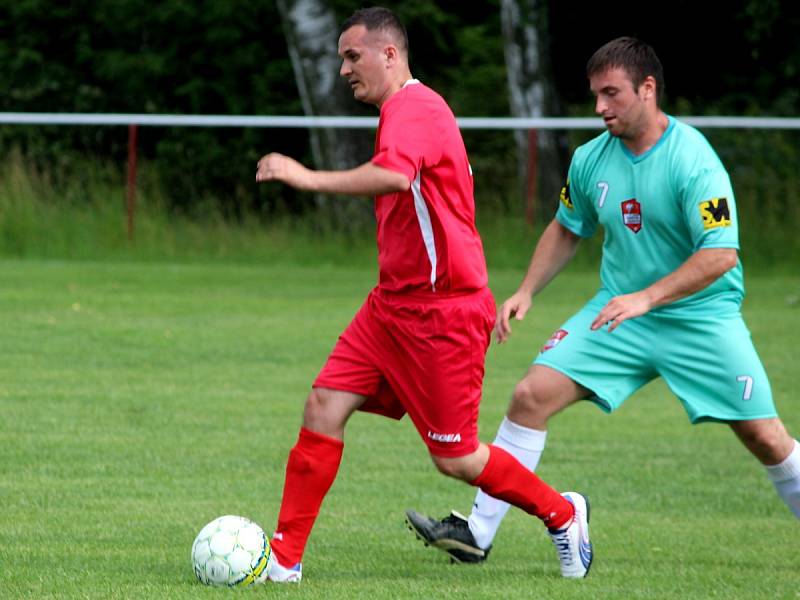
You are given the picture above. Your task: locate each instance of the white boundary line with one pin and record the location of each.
(362, 122)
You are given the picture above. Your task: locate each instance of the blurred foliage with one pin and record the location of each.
(764, 170)
(205, 57)
(213, 57)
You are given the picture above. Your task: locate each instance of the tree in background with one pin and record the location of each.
(543, 154)
(231, 58)
(312, 35)
(205, 57)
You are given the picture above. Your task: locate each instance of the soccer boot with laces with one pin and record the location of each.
(451, 535)
(280, 574)
(572, 540)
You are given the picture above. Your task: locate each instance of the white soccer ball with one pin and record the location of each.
(231, 551)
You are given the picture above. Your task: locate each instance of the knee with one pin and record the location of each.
(465, 468)
(770, 444)
(314, 408)
(318, 413)
(446, 467)
(528, 395)
(451, 467)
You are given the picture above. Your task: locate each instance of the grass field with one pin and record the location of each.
(139, 401)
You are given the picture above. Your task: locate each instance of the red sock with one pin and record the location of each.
(310, 471)
(504, 477)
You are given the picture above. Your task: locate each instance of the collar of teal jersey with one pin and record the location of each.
(635, 158)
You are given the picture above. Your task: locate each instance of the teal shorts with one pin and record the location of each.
(709, 362)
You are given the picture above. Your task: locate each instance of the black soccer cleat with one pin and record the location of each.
(451, 535)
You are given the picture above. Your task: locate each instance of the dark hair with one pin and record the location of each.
(635, 57)
(378, 18)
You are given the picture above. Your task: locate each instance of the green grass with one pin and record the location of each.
(87, 220)
(84, 217)
(140, 400)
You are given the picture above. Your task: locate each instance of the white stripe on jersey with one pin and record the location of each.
(424, 218)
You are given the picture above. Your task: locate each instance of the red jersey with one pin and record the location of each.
(427, 240)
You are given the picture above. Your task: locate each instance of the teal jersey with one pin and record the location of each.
(656, 209)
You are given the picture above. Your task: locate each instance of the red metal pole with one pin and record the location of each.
(131, 189)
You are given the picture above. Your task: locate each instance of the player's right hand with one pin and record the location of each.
(277, 167)
(516, 306)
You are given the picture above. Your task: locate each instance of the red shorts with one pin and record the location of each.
(421, 355)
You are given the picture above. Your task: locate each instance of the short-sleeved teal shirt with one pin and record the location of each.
(656, 210)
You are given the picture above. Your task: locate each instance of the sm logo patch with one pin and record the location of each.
(715, 213)
(565, 199)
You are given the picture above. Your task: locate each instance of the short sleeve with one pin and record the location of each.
(575, 210)
(710, 209)
(406, 142)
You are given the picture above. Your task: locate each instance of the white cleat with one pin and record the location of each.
(280, 574)
(572, 541)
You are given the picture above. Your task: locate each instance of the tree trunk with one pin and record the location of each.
(543, 154)
(312, 37)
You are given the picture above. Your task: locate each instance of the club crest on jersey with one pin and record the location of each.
(715, 213)
(632, 214)
(565, 198)
(554, 340)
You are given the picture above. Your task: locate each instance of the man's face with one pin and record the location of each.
(364, 64)
(623, 108)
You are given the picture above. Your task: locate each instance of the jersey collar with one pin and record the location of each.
(635, 158)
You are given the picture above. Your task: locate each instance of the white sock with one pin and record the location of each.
(785, 477)
(524, 444)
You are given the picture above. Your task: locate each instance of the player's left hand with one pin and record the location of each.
(622, 308)
(278, 167)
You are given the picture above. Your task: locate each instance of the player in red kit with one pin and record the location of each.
(418, 343)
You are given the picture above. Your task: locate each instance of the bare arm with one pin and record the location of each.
(553, 251)
(699, 271)
(366, 180)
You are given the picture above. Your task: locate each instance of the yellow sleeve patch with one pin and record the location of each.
(565, 199)
(715, 213)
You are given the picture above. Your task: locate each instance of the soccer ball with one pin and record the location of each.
(231, 551)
